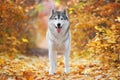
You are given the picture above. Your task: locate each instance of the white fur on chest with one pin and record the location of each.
(59, 47)
(57, 42)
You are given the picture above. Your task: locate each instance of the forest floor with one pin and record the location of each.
(36, 66)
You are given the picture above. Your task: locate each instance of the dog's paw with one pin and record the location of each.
(67, 71)
(51, 73)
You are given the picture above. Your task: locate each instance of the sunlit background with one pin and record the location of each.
(95, 29)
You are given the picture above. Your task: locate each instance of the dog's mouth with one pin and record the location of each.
(58, 28)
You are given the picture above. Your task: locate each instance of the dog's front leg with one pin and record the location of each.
(66, 60)
(52, 61)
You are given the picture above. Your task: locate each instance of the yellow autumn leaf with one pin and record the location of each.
(25, 40)
(97, 28)
(118, 19)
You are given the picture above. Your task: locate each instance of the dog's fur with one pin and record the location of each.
(59, 38)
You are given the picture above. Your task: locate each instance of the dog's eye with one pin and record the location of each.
(61, 18)
(55, 18)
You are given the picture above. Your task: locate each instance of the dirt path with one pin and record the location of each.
(41, 50)
(42, 43)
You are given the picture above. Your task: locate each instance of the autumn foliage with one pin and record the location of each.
(12, 18)
(95, 51)
(95, 28)
(14, 29)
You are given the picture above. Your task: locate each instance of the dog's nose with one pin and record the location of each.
(59, 25)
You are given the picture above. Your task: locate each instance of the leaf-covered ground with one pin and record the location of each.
(30, 67)
(95, 29)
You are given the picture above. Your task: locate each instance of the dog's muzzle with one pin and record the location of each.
(58, 27)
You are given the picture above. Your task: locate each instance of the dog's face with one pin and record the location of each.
(58, 21)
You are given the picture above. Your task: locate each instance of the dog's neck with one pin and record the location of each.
(59, 37)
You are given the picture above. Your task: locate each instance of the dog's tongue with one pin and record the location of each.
(58, 30)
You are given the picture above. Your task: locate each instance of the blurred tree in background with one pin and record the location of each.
(12, 18)
(15, 29)
(95, 28)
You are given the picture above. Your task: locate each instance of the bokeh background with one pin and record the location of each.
(95, 29)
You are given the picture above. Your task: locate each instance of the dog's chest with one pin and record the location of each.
(59, 47)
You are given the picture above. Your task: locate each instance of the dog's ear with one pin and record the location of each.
(53, 11)
(64, 11)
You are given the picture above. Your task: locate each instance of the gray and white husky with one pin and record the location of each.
(59, 38)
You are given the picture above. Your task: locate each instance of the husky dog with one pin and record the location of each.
(59, 38)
